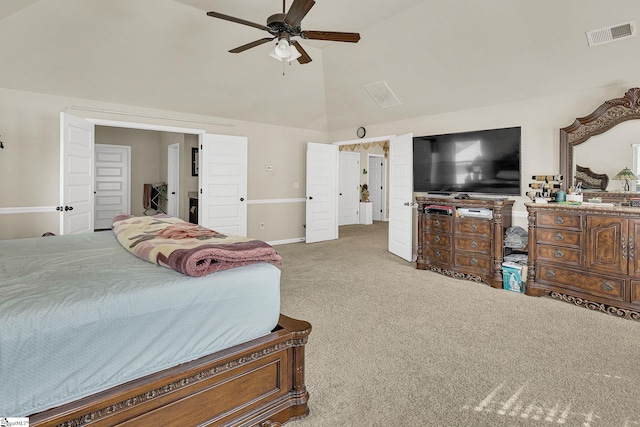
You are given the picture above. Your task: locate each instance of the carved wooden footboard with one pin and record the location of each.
(260, 382)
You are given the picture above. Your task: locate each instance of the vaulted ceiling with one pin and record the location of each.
(435, 55)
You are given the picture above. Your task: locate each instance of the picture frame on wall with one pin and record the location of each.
(194, 161)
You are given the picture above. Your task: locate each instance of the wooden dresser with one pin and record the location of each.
(586, 255)
(465, 246)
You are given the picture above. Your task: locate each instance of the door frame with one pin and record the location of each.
(368, 141)
(153, 127)
(142, 126)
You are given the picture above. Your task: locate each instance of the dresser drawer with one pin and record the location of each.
(473, 261)
(437, 256)
(559, 237)
(598, 285)
(438, 240)
(469, 225)
(559, 254)
(560, 220)
(441, 223)
(475, 244)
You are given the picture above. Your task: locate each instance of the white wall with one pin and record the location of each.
(29, 164)
(540, 119)
(29, 125)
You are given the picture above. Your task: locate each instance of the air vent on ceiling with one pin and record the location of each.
(613, 33)
(382, 94)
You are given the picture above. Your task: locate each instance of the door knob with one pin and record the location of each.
(68, 208)
(310, 198)
(242, 199)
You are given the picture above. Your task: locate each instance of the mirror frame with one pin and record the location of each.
(610, 114)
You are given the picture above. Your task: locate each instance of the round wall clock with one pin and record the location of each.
(361, 132)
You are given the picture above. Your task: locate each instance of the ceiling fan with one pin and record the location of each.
(283, 26)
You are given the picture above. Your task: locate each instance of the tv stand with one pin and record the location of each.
(463, 246)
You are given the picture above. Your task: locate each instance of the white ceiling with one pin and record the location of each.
(436, 55)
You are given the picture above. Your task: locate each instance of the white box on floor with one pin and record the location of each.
(366, 213)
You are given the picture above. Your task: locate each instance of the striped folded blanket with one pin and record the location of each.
(188, 248)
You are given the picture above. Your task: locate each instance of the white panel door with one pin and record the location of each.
(322, 192)
(401, 196)
(173, 179)
(112, 183)
(76, 174)
(349, 188)
(222, 205)
(376, 186)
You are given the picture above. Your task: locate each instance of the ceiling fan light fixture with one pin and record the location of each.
(283, 48)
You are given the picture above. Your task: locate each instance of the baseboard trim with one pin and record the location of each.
(287, 241)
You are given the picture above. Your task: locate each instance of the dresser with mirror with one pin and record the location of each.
(588, 254)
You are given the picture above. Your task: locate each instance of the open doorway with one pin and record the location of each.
(156, 157)
(373, 172)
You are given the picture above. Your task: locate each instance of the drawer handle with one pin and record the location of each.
(607, 286)
(474, 227)
(437, 223)
(559, 254)
(550, 273)
(474, 261)
(559, 237)
(437, 254)
(437, 239)
(559, 220)
(474, 244)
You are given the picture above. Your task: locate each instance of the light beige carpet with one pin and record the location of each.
(396, 346)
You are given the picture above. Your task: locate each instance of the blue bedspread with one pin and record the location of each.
(79, 314)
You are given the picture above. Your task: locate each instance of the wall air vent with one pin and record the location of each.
(381, 93)
(613, 33)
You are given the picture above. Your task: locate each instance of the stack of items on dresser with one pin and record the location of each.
(514, 267)
(546, 188)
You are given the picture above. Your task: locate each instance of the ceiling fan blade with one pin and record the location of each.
(304, 56)
(297, 11)
(252, 44)
(238, 20)
(335, 36)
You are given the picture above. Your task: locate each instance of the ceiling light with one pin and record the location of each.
(283, 50)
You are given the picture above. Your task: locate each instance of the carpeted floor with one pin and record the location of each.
(396, 346)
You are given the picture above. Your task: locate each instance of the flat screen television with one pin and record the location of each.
(478, 162)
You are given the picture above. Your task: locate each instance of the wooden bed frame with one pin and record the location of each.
(258, 383)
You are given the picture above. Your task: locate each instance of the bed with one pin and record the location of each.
(92, 335)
